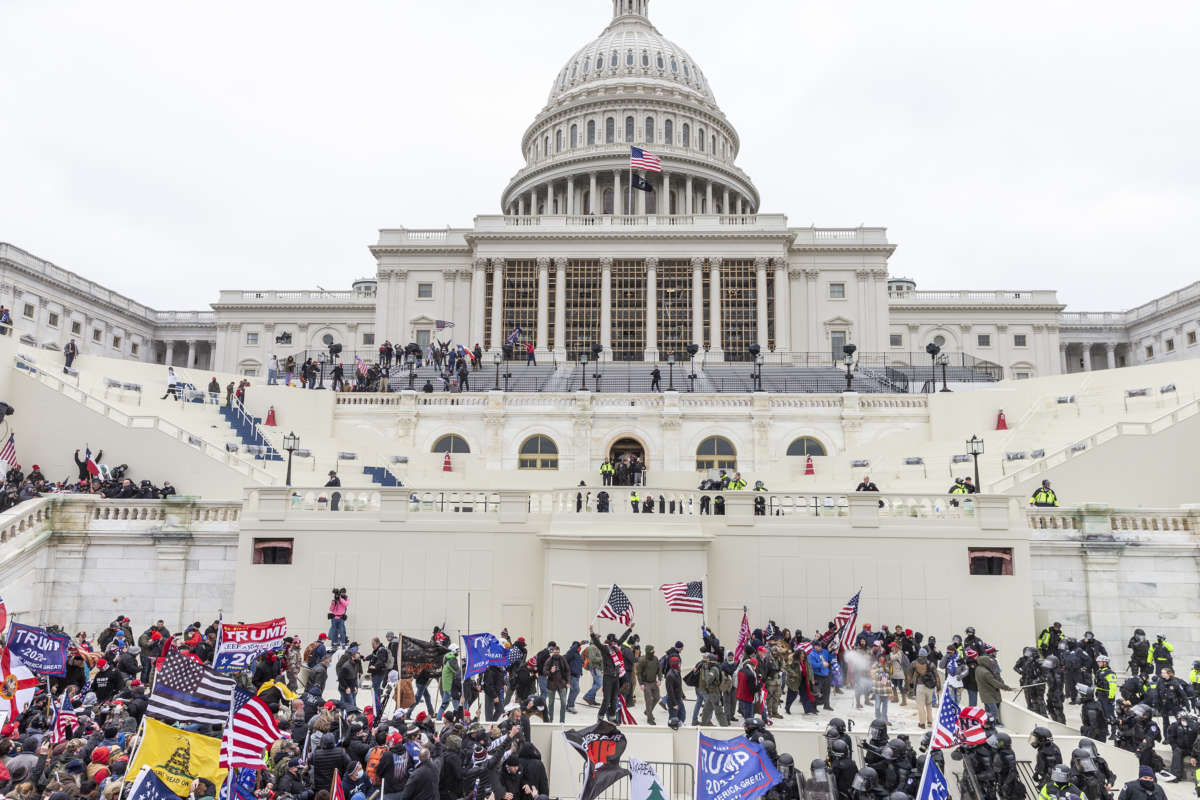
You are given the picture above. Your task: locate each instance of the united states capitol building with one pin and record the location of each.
(495, 489)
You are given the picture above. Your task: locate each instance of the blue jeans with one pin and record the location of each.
(745, 709)
(337, 632)
(447, 700)
(994, 710)
(271, 377)
(347, 697)
(972, 697)
(696, 708)
(590, 696)
(574, 693)
(542, 690)
(881, 704)
(377, 683)
(677, 709)
(422, 694)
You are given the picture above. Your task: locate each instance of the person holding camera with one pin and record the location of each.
(337, 618)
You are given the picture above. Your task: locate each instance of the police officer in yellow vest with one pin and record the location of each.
(959, 487)
(635, 501)
(1106, 680)
(1194, 680)
(1044, 496)
(606, 472)
(738, 483)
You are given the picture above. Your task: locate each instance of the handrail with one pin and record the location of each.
(147, 421)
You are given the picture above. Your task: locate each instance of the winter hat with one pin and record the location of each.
(1145, 772)
(100, 755)
(74, 766)
(321, 636)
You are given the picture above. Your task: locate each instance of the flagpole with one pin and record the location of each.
(629, 208)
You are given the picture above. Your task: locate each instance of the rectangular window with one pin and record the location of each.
(1170, 345)
(837, 291)
(116, 343)
(28, 311)
(1019, 340)
(97, 335)
(133, 349)
(251, 338)
(250, 372)
(1022, 376)
(52, 320)
(1149, 351)
(896, 340)
(273, 551)
(424, 291)
(1191, 338)
(990, 560)
(984, 340)
(75, 328)
(368, 338)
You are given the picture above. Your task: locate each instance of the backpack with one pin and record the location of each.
(374, 755)
(693, 677)
(928, 680)
(391, 662)
(308, 652)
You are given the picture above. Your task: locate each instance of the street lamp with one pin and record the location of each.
(583, 372)
(507, 375)
(756, 368)
(848, 358)
(321, 370)
(975, 449)
(692, 349)
(497, 359)
(933, 351)
(597, 350)
(671, 367)
(291, 443)
(944, 359)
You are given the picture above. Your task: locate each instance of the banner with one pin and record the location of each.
(239, 646)
(241, 786)
(644, 782)
(933, 783)
(177, 757)
(43, 652)
(733, 769)
(148, 786)
(417, 656)
(482, 650)
(601, 746)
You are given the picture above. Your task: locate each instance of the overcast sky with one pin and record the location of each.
(170, 150)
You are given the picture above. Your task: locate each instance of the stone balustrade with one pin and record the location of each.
(1100, 519)
(82, 513)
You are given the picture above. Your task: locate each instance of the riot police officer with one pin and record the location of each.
(1106, 686)
(938, 757)
(1087, 776)
(1093, 721)
(788, 788)
(1028, 667)
(1139, 647)
(836, 731)
(1181, 735)
(866, 786)
(877, 738)
(1076, 664)
(1004, 767)
(1108, 776)
(1059, 786)
(1052, 675)
(842, 767)
(1048, 754)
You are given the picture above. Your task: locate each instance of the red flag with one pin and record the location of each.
(335, 791)
(743, 635)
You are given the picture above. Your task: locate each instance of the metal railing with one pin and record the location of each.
(677, 779)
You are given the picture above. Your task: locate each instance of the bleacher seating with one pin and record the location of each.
(247, 431)
(382, 476)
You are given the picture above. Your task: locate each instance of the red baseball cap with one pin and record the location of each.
(322, 636)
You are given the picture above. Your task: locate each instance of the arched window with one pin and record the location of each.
(538, 452)
(574, 136)
(558, 141)
(669, 132)
(608, 201)
(599, 62)
(587, 66)
(650, 129)
(610, 127)
(674, 65)
(451, 443)
(659, 61)
(591, 131)
(574, 70)
(806, 446)
(687, 135)
(629, 129)
(700, 139)
(629, 58)
(546, 146)
(613, 61)
(716, 452)
(686, 74)
(645, 59)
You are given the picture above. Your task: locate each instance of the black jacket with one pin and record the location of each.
(607, 651)
(324, 762)
(347, 675)
(379, 661)
(1142, 790)
(423, 781)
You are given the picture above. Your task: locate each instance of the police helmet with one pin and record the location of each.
(1104, 658)
(1089, 745)
(999, 740)
(835, 728)
(1061, 773)
(816, 767)
(1196, 664)
(1028, 652)
(1142, 710)
(769, 746)
(865, 780)
(1085, 690)
(839, 748)
(1080, 753)
(1138, 632)
(970, 630)
(887, 753)
(1072, 644)
(753, 723)
(673, 723)
(1041, 736)
(786, 762)
(878, 731)
(926, 739)
(898, 796)
(1088, 635)
(956, 639)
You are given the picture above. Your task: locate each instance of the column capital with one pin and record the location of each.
(543, 262)
(781, 263)
(606, 263)
(697, 261)
(761, 262)
(480, 263)
(652, 262)
(497, 264)
(715, 263)
(560, 262)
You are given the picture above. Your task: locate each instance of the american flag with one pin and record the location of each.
(616, 607)
(64, 720)
(360, 366)
(335, 791)
(8, 454)
(847, 619)
(970, 725)
(625, 715)
(644, 159)
(442, 324)
(945, 733)
(687, 597)
(743, 635)
(249, 731)
(188, 691)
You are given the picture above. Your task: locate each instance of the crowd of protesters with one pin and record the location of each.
(108, 482)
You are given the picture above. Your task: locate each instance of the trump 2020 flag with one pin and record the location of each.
(483, 650)
(933, 783)
(733, 769)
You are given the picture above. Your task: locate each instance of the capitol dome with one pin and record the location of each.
(630, 87)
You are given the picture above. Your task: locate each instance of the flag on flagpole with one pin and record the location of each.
(251, 729)
(335, 791)
(945, 731)
(644, 159)
(148, 786)
(687, 596)
(641, 184)
(516, 335)
(64, 720)
(188, 691)
(625, 715)
(92, 468)
(617, 607)
(847, 620)
(743, 635)
(970, 725)
(360, 366)
(8, 454)
(442, 324)
(933, 783)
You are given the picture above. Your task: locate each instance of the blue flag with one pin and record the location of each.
(148, 786)
(733, 769)
(480, 651)
(933, 782)
(43, 652)
(241, 788)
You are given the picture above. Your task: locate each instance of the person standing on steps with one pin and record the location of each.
(172, 385)
(70, 353)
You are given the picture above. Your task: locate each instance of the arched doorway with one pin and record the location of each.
(628, 457)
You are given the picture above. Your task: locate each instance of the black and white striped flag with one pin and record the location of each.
(188, 691)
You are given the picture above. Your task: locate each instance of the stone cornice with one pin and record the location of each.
(970, 306)
(628, 235)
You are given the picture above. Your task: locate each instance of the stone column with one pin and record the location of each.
(760, 297)
(497, 304)
(617, 204)
(478, 288)
(560, 306)
(170, 355)
(664, 206)
(533, 202)
(1062, 356)
(521, 206)
(651, 352)
(212, 354)
(697, 299)
(1102, 575)
(640, 203)
(592, 197)
(1110, 356)
(1087, 357)
(725, 201)
(571, 195)
(688, 206)
(783, 291)
(739, 207)
(708, 205)
(714, 306)
(606, 306)
(542, 345)
(191, 359)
